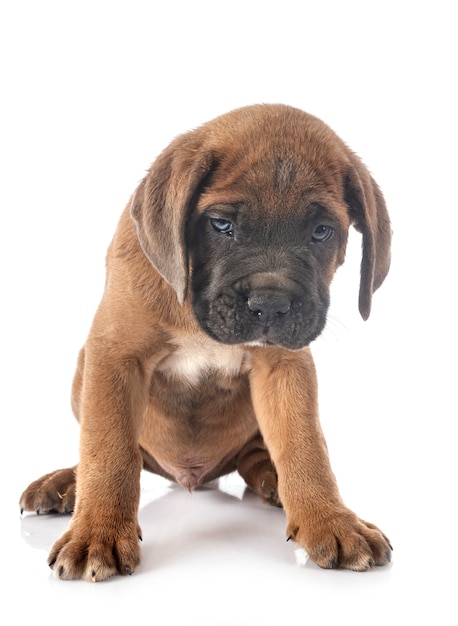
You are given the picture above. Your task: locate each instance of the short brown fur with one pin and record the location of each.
(154, 389)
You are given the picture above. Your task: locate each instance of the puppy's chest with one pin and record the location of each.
(193, 360)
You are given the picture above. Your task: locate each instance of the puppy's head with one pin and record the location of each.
(248, 216)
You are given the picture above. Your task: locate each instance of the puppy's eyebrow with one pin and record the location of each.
(319, 210)
(227, 209)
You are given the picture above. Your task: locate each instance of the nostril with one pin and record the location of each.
(268, 303)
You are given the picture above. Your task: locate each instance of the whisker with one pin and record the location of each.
(334, 328)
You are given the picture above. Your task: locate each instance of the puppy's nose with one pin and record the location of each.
(268, 303)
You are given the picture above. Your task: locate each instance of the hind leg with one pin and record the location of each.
(256, 468)
(52, 493)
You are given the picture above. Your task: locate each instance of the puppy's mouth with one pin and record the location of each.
(267, 319)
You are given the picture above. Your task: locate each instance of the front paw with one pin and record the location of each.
(342, 541)
(95, 552)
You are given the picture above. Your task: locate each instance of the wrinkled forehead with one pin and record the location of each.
(276, 181)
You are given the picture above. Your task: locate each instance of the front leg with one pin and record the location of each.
(284, 391)
(102, 538)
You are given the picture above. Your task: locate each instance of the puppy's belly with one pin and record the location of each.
(193, 463)
(192, 471)
(193, 432)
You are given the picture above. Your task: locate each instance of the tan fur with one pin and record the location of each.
(153, 390)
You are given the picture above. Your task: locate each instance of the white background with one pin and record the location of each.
(91, 92)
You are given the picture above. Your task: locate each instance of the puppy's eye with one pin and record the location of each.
(322, 233)
(222, 226)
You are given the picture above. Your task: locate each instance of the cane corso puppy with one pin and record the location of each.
(198, 361)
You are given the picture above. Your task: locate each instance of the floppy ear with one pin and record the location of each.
(370, 217)
(161, 206)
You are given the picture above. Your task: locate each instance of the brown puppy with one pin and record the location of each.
(197, 362)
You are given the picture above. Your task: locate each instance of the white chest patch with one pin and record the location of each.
(194, 358)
